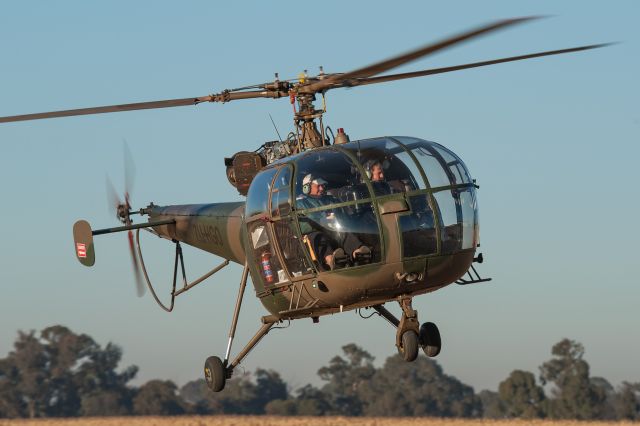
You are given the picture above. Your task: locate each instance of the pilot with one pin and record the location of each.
(375, 172)
(331, 248)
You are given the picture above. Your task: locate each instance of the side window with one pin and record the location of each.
(281, 193)
(258, 196)
(457, 169)
(291, 248)
(432, 167)
(469, 208)
(264, 256)
(418, 228)
(450, 220)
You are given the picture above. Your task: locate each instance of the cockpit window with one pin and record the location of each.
(258, 196)
(338, 223)
(458, 219)
(387, 166)
(455, 165)
(326, 177)
(442, 167)
(280, 194)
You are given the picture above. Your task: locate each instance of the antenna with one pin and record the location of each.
(274, 126)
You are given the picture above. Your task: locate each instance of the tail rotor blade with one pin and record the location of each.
(136, 267)
(129, 169)
(112, 195)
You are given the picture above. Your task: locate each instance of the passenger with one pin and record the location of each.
(322, 239)
(375, 172)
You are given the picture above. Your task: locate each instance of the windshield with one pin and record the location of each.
(338, 223)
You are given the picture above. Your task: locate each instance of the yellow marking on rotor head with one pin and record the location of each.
(302, 77)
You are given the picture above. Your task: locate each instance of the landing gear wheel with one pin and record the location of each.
(430, 340)
(214, 373)
(409, 349)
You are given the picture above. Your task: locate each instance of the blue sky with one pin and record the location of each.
(552, 142)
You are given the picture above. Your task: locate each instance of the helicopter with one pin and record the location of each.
(329, 225)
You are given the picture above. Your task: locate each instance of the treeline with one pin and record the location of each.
(58, 373)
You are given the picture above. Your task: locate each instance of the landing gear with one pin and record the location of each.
(409, 348)
(410, 336)
(214, 373)
(429, 339)
(217, 371)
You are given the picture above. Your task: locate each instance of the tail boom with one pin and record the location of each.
(215, 228)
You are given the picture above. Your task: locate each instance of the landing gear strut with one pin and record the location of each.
(217, 371)
(410, 336)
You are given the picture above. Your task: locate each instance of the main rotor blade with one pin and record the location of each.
(380, 67)
(110, 108)
(224, 96)
(393, 77)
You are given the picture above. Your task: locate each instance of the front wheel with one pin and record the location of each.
(214, 373)
(409, 349)
(430, 340)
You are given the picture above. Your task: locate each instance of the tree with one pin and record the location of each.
(158, 397)
(52, 375)
(312, 401)
(492, 406)
(105, 391)
(30, 361)
(309, 401)
(627, 401)
(11, 402)
(241, 395)
(269, 387)
(419, 388)
(521, 397)
(345, 378)
(199, 399)
(575, 396)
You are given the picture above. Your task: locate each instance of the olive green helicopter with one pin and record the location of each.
(329, 225)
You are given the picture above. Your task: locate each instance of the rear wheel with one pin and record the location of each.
(409, 349)
(430, 340)
(214, 373)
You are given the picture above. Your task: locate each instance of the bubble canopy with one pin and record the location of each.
(334, 198)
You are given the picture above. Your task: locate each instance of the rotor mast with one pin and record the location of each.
(305, 117)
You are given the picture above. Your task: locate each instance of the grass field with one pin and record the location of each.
(290, 421)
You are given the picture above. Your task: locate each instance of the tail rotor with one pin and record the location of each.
(123, 214)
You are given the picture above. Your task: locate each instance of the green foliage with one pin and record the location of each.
(158, 398)
(521, 397)
(627, 401)
(575, 396)
(12, 403)
(492, 406)
(346, 378)
(309, 401)
(419, 388)
(241, 394)
(61, 373)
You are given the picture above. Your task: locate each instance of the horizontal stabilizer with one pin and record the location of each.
(83, 243)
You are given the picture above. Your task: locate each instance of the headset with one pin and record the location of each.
(369, 165)
(306, 188)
